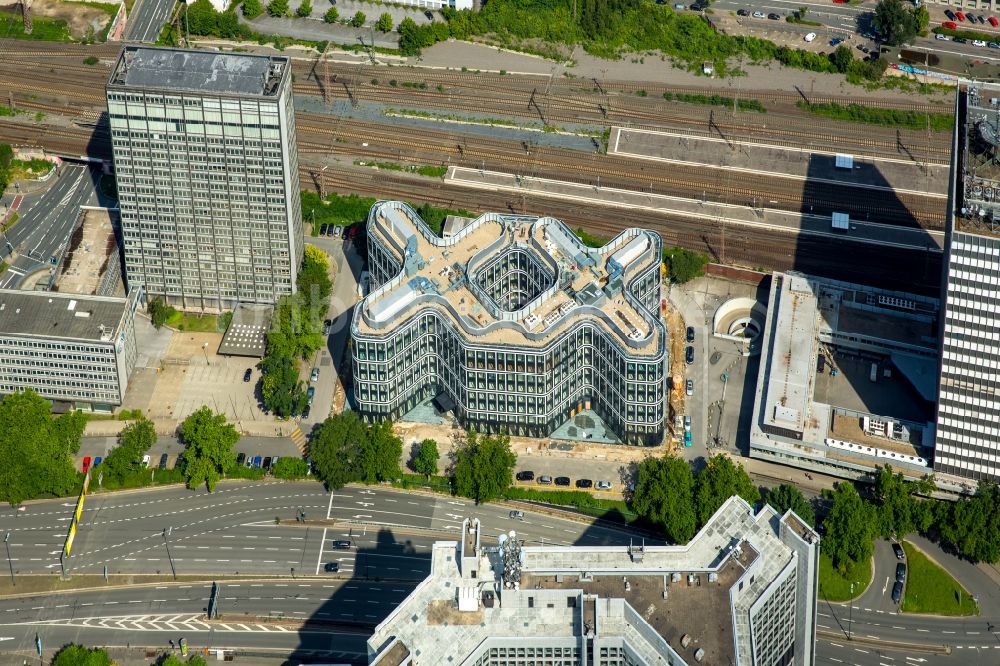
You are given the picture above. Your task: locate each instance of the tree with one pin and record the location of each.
(842, 58)
(290, 468)
(720, 480)
(684, 265)
(785, 497)
(209, 441)
(384, 23)
(202, 18)
(358, 19)
(134, 440)
(160, 312)
(895, 503)
(973, 525)
(331, 15)
(314, 281)
(922, 17)
(304, 10)
(895, 21)
(335, 449)
(380, 454)
(252, 9)
(850, 527)
(277, 8)
(35, 449)
(174, 660)
(664, 495)
(482, 466)
(409, 37)
(78, 655)
(426, 460)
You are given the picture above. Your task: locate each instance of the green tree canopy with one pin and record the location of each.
(160, 312)
(134, 440)
(331, 15)
(842, 58)
(289, 467)
(335, 449)
(850, 527)
(209, 441)
(305, 8)
(785, 497)
(664, 495)
(201, 17)
(78, 655)
(252, 8)
(277, 8)
(896, 504)
(384, 23)
(36, 449)
(895, 21)
(973, 525)
(684, 265)
(358, 19)
(426, 460)
(721, 479)
(380, 454)
(482, 466)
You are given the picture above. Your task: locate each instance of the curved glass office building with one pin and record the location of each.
(513, 323)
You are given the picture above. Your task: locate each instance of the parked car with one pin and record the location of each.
(758, 14)
(525, 476)
(950, 14)
(993, 21)
(310, 394)
(689, 355)
(687, 422)
(322, 229)
(305, 412)
(603, 485)
(900, 573)
(331, 567)
(274, 460)
(689, 334)
(960, 40)
(774, 17)
(544, 479)
(980, 18)
(689, 387)
(337, 231)
(327, 327)
(951, 25)
(516, 515)
(943, 38)
(163, 461)
(897, 592)
(743, 12)
(898, 550)
(960, 16)
(86, 464)
(687, 438)
(341, 544)
(97, 461)
(994, 45)
(810, 36)
(584, 483)
(241, 459)
(429, 15)
(248, 375)
(267, 462)
(257, 460)
(835, 41)
(314, 375)
(562, 480)
(978, 42)
(145, 460)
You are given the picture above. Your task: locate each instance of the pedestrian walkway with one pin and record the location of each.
(301, 443)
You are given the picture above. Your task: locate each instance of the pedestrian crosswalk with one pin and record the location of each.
(301, 442)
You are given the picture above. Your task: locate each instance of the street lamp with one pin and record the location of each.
(850, 620)
(166, 544)
(6, 542)
(204, 349)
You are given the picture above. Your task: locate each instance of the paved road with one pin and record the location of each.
(47, 220)
(233, 531)
(147, 20)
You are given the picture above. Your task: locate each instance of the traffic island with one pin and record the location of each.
(836, 586)
(932, 590)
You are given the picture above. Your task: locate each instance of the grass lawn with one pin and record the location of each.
(931, 589)
(192, 322)
(834, 587)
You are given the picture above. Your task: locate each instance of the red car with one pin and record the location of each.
(951, 25)
(960, 16)
(86, 464)
(993, 21)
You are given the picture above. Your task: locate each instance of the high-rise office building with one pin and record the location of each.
(207, 171)
(967, 441)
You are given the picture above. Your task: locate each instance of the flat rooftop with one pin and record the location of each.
(183, 70)
(663, 600)
(792, 354)
(247, 332)
(445, 274)
(977, 176)
(54, 315)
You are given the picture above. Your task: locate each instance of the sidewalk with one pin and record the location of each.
(111, 428)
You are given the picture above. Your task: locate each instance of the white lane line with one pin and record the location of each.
(329, 507)
(322, 541)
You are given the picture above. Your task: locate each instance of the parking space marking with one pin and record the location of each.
(322, 541)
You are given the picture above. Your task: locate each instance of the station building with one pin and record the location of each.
(512, 323)
(207, 171)
(76, 350)
(742, 592)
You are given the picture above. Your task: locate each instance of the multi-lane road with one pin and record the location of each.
(47, 220)
(147, 20)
